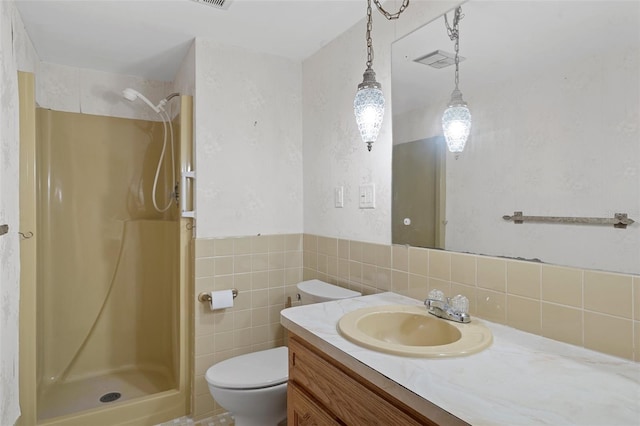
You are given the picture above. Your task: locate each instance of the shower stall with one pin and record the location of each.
(104, 309)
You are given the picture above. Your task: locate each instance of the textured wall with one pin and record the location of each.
(248, 142)
(9, 243)
(334, 154)
(71, 89)
(185, 80)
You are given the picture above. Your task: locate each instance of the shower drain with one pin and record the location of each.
(110, 397)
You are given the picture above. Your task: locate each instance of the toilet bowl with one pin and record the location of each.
(253, 387)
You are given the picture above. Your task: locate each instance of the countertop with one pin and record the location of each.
(521, 379)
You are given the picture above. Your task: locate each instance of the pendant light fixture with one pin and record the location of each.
(456, 120)
(368, 105)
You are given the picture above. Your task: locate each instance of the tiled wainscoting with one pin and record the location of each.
(265, 271)
(597, 310)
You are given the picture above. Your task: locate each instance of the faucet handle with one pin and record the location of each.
(460, 304)
(437, 295)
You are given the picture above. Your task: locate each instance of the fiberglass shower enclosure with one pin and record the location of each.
(109, 321)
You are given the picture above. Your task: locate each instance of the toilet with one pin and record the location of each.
(316, 291)
(253, 387)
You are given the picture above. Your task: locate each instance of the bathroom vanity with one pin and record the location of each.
(520, 379)
(323, 391)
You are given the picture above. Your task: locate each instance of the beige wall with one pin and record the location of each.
(597, 310)
(265, 271)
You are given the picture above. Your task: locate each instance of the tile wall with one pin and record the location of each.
(597, 310)
(265, 271)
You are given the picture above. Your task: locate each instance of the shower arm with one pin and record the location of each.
(164, 101)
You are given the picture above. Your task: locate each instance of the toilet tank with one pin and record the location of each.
(316, 291)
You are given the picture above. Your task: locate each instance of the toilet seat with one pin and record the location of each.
(255, 370)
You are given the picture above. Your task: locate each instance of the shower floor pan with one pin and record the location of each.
(61, 399)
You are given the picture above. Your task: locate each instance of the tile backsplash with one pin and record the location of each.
(265, 271)
(597, 310)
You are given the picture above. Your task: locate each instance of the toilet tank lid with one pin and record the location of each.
(251, 371)
(329, 291)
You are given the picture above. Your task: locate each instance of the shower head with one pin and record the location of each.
(132, 95)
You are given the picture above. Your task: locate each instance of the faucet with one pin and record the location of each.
(455, 309)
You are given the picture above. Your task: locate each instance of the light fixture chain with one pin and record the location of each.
(391, 16)
(369, 40)
(457, 59)
(454, 35)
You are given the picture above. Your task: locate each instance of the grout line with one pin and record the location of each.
(540, 297)
(582, 308)
(377, 287)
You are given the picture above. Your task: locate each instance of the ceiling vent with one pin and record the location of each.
(438, 59)
(218, 4)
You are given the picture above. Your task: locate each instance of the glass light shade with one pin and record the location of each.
(456, 123)
(368, 107)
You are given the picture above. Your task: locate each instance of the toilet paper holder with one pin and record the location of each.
(205, 297)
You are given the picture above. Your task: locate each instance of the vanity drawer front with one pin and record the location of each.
(302, 411)
(338, 389)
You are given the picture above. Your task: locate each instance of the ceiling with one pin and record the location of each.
(509, 40)
(500, 39)
(150, 38)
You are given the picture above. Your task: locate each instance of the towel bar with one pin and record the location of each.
(619, 220)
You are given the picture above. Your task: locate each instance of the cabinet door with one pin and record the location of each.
(302, 411)
(345, 394)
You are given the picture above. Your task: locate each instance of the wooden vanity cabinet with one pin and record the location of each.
(303, 411)
(322, 391)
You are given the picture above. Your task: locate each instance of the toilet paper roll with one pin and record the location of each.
(221, 299)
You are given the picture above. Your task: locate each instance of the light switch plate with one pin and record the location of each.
(338, 197)
(368, 196)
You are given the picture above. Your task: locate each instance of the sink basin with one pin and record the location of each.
(411, 331)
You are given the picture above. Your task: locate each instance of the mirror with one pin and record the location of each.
(554, 90)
